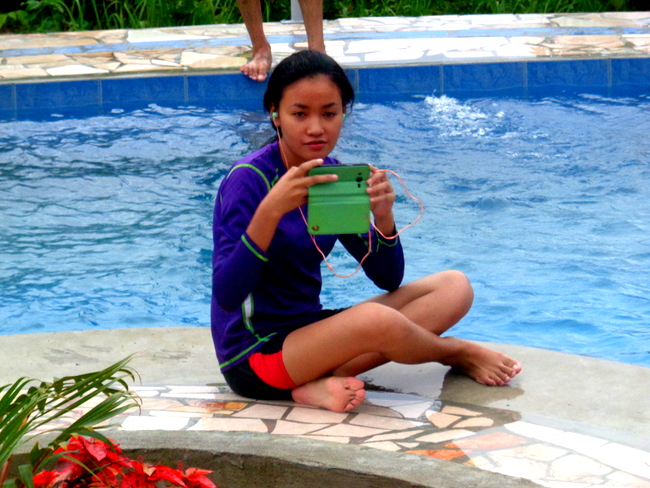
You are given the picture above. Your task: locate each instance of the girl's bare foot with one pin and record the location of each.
(483, 365)
(258, 67)
(332, 392)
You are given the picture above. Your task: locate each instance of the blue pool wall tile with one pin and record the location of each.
(224, 88)
(569, 75)
(485, 77)
(7, 99)
(543, 78)
(377, 82)
(631, 72)
(58, 96)
(129, 91)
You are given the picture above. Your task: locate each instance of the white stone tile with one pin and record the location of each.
(409, 445)
(442, 420)
(231, 425)
(21, 72)
(345, 430)
(577, 468)
(475, 422)
(198, 396)
(519, 51)
(301, 414)
(628, 459)
(347, 59)
(546, 434)
(447, 435)
(384, 422)
(578, 442)
(395, 436)
(414, 410)
(283, 427)
(165, 413)
(515, 466)
(154, 423)
(460, 411)
(230, 397)
(153, 35)
(74, 70)
(261, 411)
(376, 410)
(469, 55)
(126, 68)
(192, 389)
(384, 446)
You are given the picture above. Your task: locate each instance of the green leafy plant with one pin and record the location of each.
(27, 407)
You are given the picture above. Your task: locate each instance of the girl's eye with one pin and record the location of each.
(299, 114)
(330, 114)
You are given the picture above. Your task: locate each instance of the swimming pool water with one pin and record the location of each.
(543, 203)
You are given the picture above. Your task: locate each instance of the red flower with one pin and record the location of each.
(95, 464)
(195, 478)
(46, 479)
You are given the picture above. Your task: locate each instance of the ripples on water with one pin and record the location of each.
(106, 221)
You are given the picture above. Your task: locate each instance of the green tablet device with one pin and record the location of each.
(342, 206)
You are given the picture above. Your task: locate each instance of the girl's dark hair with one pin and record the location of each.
(306, 64)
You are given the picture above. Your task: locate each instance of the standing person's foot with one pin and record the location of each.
(258, 67)
(332, 392)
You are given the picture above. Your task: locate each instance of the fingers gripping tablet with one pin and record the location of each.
(342, 206)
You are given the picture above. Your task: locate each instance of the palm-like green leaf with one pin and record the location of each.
(22, 412)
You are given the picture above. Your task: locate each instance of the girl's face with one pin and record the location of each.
(310, 115)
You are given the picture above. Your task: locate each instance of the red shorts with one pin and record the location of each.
(270, 369)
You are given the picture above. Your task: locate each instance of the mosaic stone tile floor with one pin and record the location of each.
(489, 439)
(354, 42)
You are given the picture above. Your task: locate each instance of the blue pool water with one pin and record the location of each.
(105, 221)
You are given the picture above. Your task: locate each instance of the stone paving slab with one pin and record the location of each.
(354, 42)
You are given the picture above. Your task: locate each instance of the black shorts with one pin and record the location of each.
(244, 381)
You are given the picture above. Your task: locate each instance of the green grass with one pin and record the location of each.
(76, 15)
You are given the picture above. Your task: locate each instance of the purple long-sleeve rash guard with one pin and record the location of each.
(256, 294)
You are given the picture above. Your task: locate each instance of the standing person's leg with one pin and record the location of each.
(258, 67)
(312, 14)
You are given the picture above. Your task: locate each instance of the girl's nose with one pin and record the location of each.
(315, 126)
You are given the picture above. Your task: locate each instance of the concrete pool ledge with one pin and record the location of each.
(566, 418)
(354, 42)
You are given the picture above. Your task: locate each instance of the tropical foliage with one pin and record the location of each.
(30, 408)
(76, 15)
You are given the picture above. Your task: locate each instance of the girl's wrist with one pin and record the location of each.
(386, 225)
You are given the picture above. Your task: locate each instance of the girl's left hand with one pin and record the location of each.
(382, 197)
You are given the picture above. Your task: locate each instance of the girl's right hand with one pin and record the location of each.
(291, 191)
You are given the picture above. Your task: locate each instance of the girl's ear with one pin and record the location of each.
(274, 116)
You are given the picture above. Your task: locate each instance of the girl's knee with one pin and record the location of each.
(461, 289)
(379, 322)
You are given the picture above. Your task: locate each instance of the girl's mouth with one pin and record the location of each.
(316, 145)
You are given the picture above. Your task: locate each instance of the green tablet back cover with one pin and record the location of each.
(342, 206)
